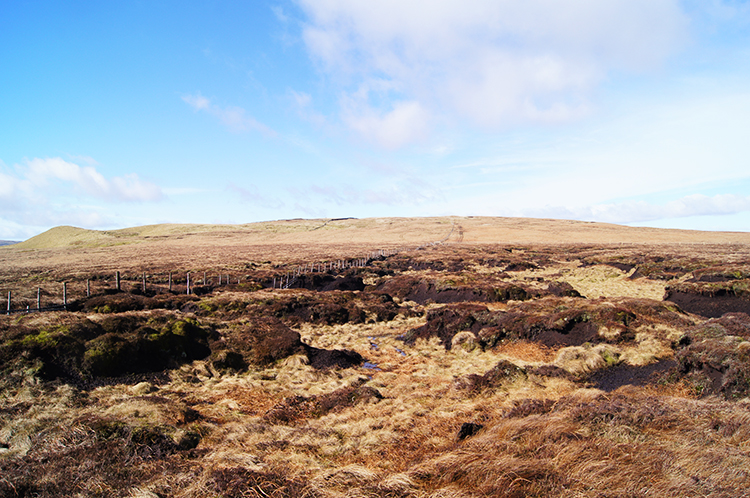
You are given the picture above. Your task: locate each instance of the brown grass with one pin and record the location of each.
(282, 427)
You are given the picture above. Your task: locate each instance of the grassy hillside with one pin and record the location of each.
(384, 231)
(68, 236)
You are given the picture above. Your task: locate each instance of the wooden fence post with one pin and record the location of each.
(274, 283)
(9, 302)
(65, 294)
(188, 283)
(170, 281)
(117, 280)
(39, 298)
(144, 282)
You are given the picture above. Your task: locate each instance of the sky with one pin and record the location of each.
(119, 114)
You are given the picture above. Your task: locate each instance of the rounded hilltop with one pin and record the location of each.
(473, 229)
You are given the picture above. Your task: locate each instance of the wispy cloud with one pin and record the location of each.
(39, 177)
(496, 64)
(643, 211)
(252, 195)
(233, 117)
(183, 190)
(302, 103)
(50, 191)
(46, 173)
(350, 195)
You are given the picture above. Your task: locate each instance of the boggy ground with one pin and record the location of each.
(456, 370)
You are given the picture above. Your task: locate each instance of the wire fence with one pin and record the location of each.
(193, 282)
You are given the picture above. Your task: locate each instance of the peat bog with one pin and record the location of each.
(480, 366)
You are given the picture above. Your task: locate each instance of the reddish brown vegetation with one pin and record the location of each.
(297, 408)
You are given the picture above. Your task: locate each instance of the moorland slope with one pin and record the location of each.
(415, 358)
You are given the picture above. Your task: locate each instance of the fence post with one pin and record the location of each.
(9, 302)
(117, 280)
(65, 294)
(188, 283)
(274, 283)
(144, 282)
(39, 298)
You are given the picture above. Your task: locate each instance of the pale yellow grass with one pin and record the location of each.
(420, 402)
(596, 281)
(367, 445)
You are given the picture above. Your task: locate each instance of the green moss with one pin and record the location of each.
(109, 429)
(208, 307)
(184, 328)
(610, 357)
(104, 355)
(250, 287)
(624, 317)
(42, 339)
(741, 288)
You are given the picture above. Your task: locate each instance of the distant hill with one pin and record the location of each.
(376, 231)
(68, 236)
(8, 242)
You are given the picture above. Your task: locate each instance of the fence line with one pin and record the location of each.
(284, 281)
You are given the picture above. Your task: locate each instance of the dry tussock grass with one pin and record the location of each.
(286, 428)
(527, 352)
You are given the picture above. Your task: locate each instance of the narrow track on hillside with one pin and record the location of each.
(288, 279)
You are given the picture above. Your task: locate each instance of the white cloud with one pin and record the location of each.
(52, 191)
(233, 117)
(42, 173)
(303, 104)
(279, 13)
(85, 159)
(197, 102)
(10, 187)
(494, 62)
(642, 211)
(302, 99)
(406, 122)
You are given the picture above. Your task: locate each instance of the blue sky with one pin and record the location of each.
(116, 114)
